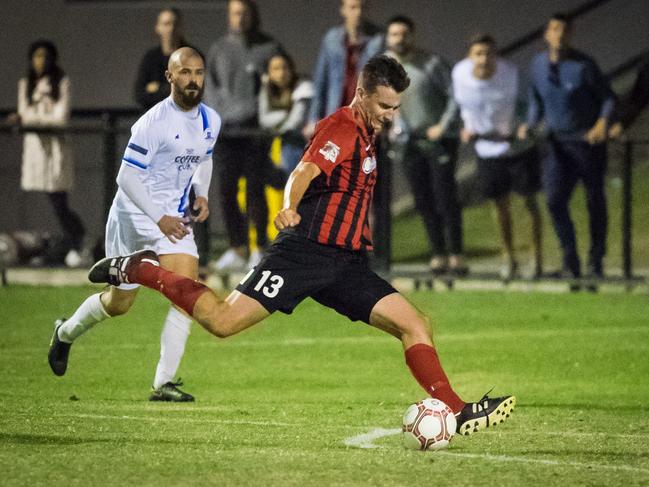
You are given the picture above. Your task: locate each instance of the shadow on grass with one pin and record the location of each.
(38, 439)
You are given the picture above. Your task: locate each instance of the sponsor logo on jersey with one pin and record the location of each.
(369, 164)
(330, 151)
(185, 161)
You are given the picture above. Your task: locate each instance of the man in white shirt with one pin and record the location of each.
(169, 153)
(486, 89)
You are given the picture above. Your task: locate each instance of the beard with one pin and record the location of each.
(188, 99)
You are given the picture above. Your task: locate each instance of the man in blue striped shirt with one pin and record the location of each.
(573, 98)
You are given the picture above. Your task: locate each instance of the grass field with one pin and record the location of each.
(276, 404)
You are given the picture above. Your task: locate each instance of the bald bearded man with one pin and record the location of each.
(169, 153)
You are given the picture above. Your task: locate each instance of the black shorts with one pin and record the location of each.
(296, 268)
(520, 173)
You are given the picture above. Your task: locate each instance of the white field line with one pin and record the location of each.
(541, 461)
(189, 420)
(154, 419)
(366, 441)
(311, 341)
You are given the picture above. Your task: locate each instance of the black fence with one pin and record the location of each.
(107, 123)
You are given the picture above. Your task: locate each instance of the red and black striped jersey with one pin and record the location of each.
(335, 207)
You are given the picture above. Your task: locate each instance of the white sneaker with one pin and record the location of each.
(230, 261)
(73, 259)
(255, 258)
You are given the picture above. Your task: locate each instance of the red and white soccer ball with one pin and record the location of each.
(428, 425)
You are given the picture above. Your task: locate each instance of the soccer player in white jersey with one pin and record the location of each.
(168, 154)
(486, 88)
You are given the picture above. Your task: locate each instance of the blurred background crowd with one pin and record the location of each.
(527, 98)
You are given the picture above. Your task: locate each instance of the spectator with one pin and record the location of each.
(47, 165)
(486, 87)
(235, 64)
(151, 85)
(569, 92)
(634, 102)
(283, 104)
(428, 118)
(344, 51)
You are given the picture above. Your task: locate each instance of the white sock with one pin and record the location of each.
(172, 346)
(85, 317)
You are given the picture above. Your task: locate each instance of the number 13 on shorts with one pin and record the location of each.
(268, 283)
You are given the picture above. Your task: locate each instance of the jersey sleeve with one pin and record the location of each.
(143, 144)
(332, 143)
(213, 135)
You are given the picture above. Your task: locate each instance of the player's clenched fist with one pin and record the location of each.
(200, 210)
(287, 217)
(173, 227)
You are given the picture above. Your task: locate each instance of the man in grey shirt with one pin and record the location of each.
(428, 119)
(235, 64)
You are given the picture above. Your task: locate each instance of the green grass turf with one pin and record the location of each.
(410, 244)
(276, 403)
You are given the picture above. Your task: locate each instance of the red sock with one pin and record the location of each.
(181, 291)
(426, 368)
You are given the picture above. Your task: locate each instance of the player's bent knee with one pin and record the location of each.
(421, 325)
(117, 309)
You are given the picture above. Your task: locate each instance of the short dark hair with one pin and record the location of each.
(253, 8)
(402, 19)
(562, 17)
(384, 71)
(481, 38)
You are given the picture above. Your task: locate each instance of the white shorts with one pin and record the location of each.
(127, 233)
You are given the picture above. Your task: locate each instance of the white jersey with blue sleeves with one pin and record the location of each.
(168, 145)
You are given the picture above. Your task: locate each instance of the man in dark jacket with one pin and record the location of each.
(572, 96)
(235, 64)
(151, 85)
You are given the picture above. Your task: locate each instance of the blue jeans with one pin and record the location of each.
(568, 162)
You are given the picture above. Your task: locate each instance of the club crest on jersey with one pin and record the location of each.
(208, 134)
(369, 164)
(330, 151)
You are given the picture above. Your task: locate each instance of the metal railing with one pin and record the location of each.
(537, 33)
(107, 126)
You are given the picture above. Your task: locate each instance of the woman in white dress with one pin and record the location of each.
(47, 165)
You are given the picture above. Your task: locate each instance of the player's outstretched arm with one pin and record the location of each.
(297, 184)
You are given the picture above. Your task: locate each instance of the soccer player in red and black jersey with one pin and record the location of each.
(321, 251)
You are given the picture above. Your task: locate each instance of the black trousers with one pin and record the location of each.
(567, 163)
(430, 169)
(68, 219)
(234, 158)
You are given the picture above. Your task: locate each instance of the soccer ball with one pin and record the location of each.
(428, 425)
